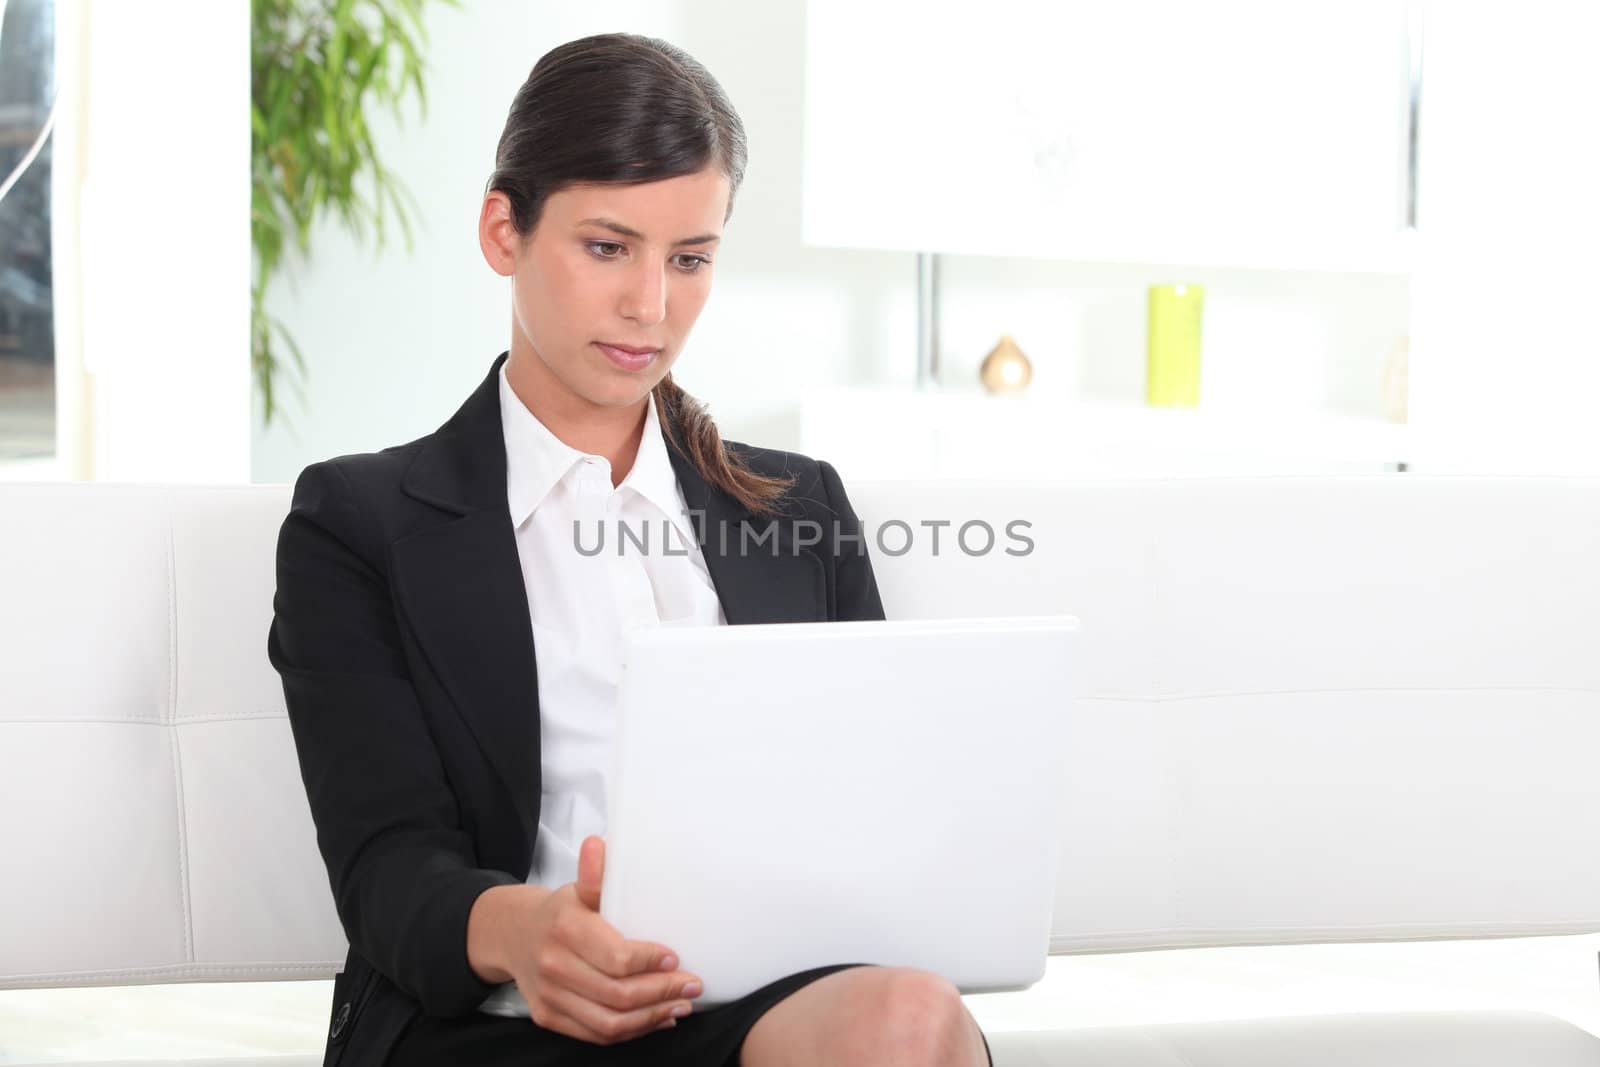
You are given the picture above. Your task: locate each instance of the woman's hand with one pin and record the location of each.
(581, 978)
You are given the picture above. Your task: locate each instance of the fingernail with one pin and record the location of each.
(692, 989)
(668, 1025)
(680, 1010)
(670, 963)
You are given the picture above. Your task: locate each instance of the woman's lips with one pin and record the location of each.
(628, 360)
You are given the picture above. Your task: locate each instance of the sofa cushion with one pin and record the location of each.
(1390, 1039)
(1386, 1039)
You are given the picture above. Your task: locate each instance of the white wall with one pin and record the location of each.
(395, 342)
(1506, 289)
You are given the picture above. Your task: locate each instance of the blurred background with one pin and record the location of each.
(1246, 237)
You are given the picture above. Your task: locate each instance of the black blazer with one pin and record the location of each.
(402, 634)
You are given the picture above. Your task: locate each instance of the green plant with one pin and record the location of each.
(314, 67)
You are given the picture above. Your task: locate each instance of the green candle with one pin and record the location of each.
(1172, 348)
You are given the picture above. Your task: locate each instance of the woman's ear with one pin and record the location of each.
(497, 234)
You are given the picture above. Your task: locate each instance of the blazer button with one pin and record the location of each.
(340, 1019)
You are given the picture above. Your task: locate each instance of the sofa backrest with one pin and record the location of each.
(1309, 708)
(1306, 708)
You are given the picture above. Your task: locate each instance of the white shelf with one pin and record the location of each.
(1392, 255)
(891, 432)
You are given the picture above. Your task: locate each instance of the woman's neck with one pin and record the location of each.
(612, 432)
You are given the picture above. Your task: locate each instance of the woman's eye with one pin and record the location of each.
(613, 250)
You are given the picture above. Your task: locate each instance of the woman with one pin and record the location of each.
(449, 657)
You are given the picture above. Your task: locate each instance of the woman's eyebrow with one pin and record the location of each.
(628, 231)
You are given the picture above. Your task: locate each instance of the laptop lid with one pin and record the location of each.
(788, 796)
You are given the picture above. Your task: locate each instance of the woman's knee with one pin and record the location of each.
(913, 1017)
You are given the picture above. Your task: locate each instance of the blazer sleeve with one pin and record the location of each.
(402, 869)
(855, 587)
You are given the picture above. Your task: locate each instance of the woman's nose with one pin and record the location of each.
(645, 301)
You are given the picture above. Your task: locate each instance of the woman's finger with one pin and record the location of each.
(591, 870)
(622, 994)
(607, 1027)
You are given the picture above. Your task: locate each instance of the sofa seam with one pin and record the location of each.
(133, 720)
(1295, 936)
(167, 970)
(1225, 694)
(177, 745)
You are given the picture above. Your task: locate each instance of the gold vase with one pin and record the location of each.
(1005, 369)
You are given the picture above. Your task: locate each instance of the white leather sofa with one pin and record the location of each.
(1314, 709)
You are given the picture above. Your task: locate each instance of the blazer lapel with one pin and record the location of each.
(459, 583)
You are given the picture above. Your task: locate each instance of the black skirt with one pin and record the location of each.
(710, 1038)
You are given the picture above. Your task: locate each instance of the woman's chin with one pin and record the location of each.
(616, 393)
(617, 387)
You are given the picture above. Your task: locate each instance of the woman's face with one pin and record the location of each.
(625, 265)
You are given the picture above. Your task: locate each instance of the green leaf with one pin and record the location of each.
(317, 67)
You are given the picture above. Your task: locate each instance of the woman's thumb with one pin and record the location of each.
(591, 867)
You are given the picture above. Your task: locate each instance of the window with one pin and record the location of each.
(27, 332)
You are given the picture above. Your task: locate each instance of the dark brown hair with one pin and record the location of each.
(619, 107)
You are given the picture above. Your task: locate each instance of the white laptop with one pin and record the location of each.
(789, 796)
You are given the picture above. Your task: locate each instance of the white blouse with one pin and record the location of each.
(582, 602)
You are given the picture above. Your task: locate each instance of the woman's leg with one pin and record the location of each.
(868, 1015)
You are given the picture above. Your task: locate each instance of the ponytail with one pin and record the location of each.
(690, 430)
